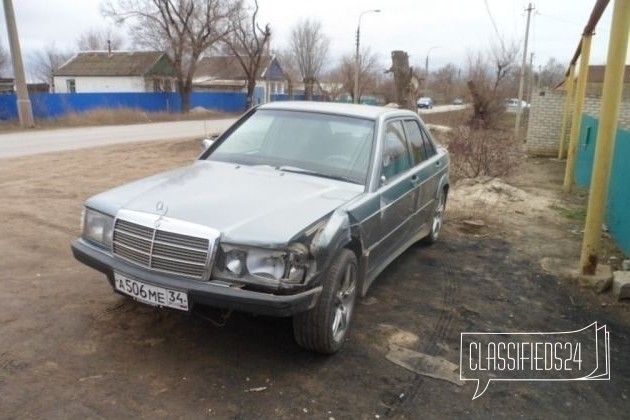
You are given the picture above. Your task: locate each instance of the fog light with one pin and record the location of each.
(296, 275)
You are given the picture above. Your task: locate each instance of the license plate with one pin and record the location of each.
(149, 294)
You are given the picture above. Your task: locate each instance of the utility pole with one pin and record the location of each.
(530, 85)
(357, 63)
(25, 111)
(357, 57)
(426, 70)
(517, 126)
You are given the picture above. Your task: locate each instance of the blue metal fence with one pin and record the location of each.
(53, 105)
(617, 215)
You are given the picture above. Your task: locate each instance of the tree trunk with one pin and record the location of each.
(402, 80)
(249, 100)
(185, 91)
(308, 88)
(479, 105)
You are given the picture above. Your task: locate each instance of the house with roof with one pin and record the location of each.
(7, 86)
(116, 71)
(225, 74)
(547, 112)
(595, 81)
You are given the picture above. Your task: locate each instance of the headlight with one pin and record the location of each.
(98, 227)
(266, 264)
(288, 266)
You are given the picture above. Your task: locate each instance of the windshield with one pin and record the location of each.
(319, 144)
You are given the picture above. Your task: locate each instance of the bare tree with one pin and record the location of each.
(290, 68)
(552, 74)
(247, 42)
(489, 82)
(333, 84)
(445, 81)
(368, 72)
(44, 62)
(309, 47)
(5, 60)
(99, 39)
(183, 28)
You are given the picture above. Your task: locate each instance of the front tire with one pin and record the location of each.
(323, 329)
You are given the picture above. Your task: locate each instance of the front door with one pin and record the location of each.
(396, 195)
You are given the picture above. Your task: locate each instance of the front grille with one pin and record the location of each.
(161, 250)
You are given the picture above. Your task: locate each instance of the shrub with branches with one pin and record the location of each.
(479, 152)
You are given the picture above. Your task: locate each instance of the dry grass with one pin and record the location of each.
(119, 116)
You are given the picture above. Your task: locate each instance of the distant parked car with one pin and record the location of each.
(511, 105)
(458, 101)
(425, 103)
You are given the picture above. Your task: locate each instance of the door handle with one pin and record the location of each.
(438, 163)
(415, 180)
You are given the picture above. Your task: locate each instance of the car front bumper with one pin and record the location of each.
(199, 292)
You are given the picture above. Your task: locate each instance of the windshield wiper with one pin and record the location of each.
(297, 170)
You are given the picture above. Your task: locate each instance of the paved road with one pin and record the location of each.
(25, 143)
(442, 108)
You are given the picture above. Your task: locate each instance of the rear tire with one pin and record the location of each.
(323, 329)
(437, 220)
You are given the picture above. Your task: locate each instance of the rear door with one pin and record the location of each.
(426, 167)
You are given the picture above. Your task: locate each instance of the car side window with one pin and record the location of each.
(428, 144)
(416, 142)
(395, 159)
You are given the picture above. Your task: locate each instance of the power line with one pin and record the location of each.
(494, 25)
(601, 28)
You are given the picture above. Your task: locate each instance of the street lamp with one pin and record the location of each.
(426, 70)
(356, 64)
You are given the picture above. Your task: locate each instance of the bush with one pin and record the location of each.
(481, 152)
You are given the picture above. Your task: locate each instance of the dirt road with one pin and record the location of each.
(71, 348)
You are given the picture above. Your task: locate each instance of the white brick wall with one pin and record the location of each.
(545, 120)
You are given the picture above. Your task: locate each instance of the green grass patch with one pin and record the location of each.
(571, 214)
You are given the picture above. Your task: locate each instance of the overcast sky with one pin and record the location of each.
(449, 29)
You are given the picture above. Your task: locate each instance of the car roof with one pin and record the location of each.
(351, 110)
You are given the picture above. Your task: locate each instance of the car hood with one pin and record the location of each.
(249, 205)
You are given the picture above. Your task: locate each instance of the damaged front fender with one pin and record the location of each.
(332, 236)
